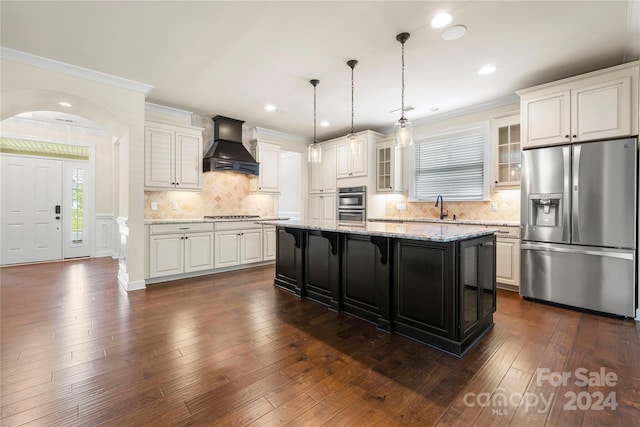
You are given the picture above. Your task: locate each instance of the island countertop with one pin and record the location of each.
(440, 232)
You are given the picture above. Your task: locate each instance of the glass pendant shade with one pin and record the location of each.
(352, 143)
(315, 153)
(353, 147)
(315, 150)
(403, 127)
(404, 133)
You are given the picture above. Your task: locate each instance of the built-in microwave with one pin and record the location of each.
(352, 198)
(352, 205)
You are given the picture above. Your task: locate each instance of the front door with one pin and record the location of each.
(31, 210)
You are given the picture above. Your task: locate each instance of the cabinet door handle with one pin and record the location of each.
(574, 136)
(177, 183)
(183, 228)
(566, 136)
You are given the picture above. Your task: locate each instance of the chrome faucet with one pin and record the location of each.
(441, 200)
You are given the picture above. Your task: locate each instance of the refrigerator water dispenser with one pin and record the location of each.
(545, 210)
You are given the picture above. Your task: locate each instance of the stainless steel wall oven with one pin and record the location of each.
(352, 205)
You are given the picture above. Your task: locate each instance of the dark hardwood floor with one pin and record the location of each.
(231, 349)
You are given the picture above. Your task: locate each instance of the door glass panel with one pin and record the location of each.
(77, 206)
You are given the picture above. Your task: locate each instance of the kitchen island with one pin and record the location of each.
(434, 283)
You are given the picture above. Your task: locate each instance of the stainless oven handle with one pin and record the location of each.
(350, 214)
(352, 194)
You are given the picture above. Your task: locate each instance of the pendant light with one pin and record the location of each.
(352, 138)
(403, 127)
(315, 150)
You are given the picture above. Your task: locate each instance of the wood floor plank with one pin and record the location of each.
(232, 349)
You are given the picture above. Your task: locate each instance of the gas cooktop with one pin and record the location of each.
(231, 216)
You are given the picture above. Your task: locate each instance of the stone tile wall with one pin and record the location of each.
(223, 193)
(508, 208)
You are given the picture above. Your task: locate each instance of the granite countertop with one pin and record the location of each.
(192, 220)
(490, 222)
(443, 232)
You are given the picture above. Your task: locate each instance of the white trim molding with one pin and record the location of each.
(104, 235)
(73, 70)
(123, 266)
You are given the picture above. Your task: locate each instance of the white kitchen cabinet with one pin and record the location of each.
(388, 167)
(598, 105)
(269, 243)
(352, 163)
(227, 248)
(180, 248)
(173, 157)
(322, 207)
(237, 243)
(251, 246)
(505, 134)
(323, 174)
(268, 155)
(508, 258)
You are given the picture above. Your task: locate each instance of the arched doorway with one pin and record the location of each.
(49, 197)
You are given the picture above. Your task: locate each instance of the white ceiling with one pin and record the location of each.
(232, 58)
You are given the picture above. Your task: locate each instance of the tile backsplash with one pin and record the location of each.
(223, 193)
(507, 208)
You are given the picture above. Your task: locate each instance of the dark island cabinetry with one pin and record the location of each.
(322, 263)
(441, 293)
(444, 293)
(365, 278)
(423, 290)
(289, 262)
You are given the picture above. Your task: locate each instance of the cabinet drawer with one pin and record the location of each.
(507, 232)
(236, 225)
(190, 227)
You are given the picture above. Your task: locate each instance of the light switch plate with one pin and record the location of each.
(401, 206)
(175, 206)
(494, 206)
(154, 206)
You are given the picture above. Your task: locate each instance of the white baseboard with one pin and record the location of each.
(135, 285)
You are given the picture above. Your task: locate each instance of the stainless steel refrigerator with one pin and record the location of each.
(578, 218)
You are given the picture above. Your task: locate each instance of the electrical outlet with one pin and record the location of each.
(494, 206)
(154, 206)
(175, 206)
(401, 206)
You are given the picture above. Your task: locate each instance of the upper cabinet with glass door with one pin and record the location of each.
(505, 132)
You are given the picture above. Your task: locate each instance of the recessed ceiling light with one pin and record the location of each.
(454, 33)
(64, 104)
(270, 107)
(434, 109)
(324, 124)
(487, 69)
(441, 20)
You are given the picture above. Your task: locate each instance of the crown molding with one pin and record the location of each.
(260, 132)
(512, 99)
(73, 70)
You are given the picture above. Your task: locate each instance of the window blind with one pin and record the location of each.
(451, 165)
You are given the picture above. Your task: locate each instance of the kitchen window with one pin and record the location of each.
(451, 164)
